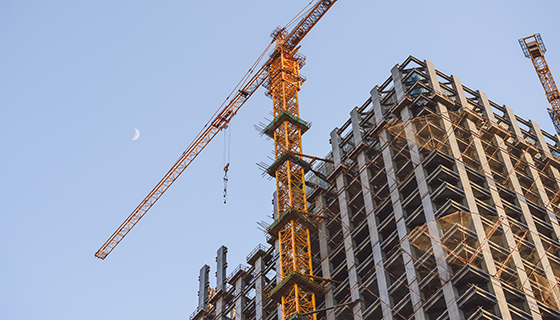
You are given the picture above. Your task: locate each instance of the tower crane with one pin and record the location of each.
(533, 48)
(279, 74)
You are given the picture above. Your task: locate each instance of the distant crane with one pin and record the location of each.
(280, 75)
(533, 48)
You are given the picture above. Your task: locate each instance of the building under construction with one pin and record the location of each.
(434, 203)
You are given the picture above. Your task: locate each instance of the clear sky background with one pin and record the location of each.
(76, 78)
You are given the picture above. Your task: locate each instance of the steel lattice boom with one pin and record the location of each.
(218, 123)
(280, 74)
(533, 48)
(212, 128)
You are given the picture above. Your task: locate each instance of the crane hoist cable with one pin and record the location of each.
(280, 75)
(257, 76)
(303, 12)
(244, 89)
(227, 152)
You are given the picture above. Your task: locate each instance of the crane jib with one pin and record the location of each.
(194, 149)
(214, 126)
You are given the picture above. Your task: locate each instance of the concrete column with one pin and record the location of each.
(432, 77)
(510, 240)
(377, 111)
(485, 104)
(324, 251)
(522, 201)
(239, 298)
(429, 211)
(514, 126)
(356, 129)
(335, 144)
(278, 276)
(460, 92)
(495, 284)
(220, 309)
(203, 285)
(221, 261)
(536, 130)
(345, 215)
(371, 221)
(399, 216)
(553, 172)
(397, 82)
(259, 286)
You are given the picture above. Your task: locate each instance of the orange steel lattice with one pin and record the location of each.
(281, 62)
(295, 253)
(533, 48)
(297, 289)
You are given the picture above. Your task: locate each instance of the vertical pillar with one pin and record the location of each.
(535, 175)
(239, 298)
(365, 177)
(221, 262)
(398, 212)
(496, 199)
(514, 126)
(259, 286)
(203, 285)
(495, 284)
(513, 123)
(432, 77)
(346, 215)
(278, 277)
(553, 172)
(324, 251)
(397, 82)
(429, 213)
(485, 104)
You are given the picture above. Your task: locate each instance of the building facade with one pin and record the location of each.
(435, 203)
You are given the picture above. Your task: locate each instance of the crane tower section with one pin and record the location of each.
(297, 291)
(534, 49)
(293, 225)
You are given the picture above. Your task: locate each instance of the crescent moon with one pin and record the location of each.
(136, 134)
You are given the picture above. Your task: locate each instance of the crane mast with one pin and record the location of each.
(298, 287)
(534, 49)
(280, 75)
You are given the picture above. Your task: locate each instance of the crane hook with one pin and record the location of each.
(226, 168)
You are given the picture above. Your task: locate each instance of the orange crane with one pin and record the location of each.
(533, 48)
(280, 75)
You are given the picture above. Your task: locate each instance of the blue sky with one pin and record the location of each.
(76, 78)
